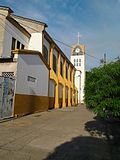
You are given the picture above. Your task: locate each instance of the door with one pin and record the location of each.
(60, 95)
(66, 96)
(52, 94)
(7, 97)
(71, 96)
(1, 95)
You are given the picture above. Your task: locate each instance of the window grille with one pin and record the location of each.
(8, 74)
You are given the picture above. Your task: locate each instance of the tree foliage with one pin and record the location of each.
(102, 90)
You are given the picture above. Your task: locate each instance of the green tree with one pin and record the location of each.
(102, 90)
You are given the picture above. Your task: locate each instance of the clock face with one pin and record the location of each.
(77, 50)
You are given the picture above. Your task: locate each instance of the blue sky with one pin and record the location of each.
(98, 22)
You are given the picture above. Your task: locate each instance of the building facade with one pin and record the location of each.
(44, 76)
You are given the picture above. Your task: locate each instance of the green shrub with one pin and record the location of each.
(102, 90)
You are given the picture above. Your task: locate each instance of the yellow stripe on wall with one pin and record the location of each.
(26, 104)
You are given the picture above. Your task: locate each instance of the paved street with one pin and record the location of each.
(63, 134)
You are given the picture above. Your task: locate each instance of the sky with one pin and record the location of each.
(97, 21)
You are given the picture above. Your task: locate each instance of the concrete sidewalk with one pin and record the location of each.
(57, 135)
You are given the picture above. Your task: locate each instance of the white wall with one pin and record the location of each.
(32, 65)
(80, 77)
(78, 83)
(36, 42)
(8, 67)
(12, 31)
(52, 88)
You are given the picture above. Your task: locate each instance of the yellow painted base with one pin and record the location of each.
(26, 104)
(60, 102)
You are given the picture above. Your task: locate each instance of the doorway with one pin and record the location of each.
(7, 87)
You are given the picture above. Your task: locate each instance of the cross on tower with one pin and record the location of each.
(78, 37)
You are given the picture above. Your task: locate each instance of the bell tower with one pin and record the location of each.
(78, 60)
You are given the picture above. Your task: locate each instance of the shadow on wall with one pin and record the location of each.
(102, 144)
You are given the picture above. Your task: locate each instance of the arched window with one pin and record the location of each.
(45, 53)
(61, 66)
(55, 60)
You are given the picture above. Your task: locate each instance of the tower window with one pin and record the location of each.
(74, 62)
(79, 62)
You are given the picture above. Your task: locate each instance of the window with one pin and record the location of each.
(55, 57)
(74, 62)
(70, 74)
(66, 70)
(46, 49)
(79, 62)
(22, 46)
(18, 45)
(31, 79)
(45, 53)
(13, 43)
(54, 63)
(61, 66)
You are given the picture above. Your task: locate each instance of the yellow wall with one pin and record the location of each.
(63, 81)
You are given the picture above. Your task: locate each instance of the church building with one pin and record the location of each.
(78, 60)
(35, 74)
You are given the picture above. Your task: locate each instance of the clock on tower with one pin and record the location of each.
(77, 50)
